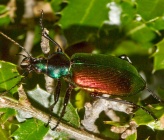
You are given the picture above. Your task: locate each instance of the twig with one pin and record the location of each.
(24, 105)
(50, 83)
(45, 43)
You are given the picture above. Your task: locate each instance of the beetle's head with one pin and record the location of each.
(27, 63)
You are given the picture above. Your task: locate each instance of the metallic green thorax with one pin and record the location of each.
(55, 66)
(41, 67)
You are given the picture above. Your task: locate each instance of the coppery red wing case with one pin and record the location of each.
(105, 74)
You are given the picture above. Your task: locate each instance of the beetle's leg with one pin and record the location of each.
(57, 92)
(59, 49)
(66, 99)
(126, 102)
(154, 95)
(56, 98)
(125, 57)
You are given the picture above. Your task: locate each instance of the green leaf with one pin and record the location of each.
(131, 48)
(143, 35)
(150, 9)
(81, 98)
(9, 77)
(132, 137)
(128, 12)
(157, 24)
(3, 134)
(55, 5)
(3, 9)
(43, 98)
(4, 20)
(81, 19)
(4, 16)
(31, 129)
(8, 112)
(147, 119)
(158, 56)
(160, 92)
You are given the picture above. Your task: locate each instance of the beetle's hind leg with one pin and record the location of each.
(126, 58)
(126, 102)
(154, 95)
(66, 100)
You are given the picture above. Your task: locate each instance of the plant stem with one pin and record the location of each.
(24, 105)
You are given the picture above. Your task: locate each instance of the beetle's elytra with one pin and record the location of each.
(105, 74)
(97, 73)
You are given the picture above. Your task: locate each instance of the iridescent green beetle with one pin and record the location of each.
(97, 73)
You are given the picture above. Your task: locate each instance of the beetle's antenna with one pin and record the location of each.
(41, 20)
(15, 43)
(21, 55)
(46, 35)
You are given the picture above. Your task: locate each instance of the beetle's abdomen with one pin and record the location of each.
(105, 78)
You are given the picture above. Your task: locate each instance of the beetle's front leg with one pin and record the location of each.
(56, 98)
(66, 99)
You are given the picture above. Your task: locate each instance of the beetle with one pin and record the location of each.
(97, 73)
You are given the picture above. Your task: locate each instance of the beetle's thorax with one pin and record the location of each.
(39, 65)
(58, 65)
